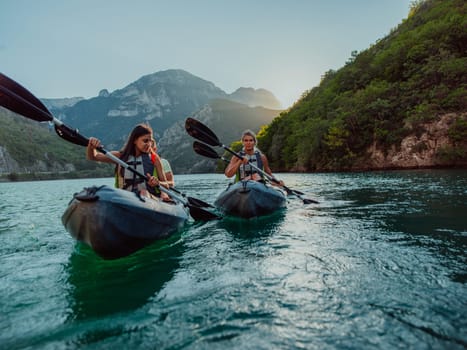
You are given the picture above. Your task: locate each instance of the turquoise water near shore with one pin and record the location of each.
(381, 263)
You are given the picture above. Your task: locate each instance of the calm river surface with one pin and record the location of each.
(380, 263)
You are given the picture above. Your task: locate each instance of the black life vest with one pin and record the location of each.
(132, 182)
(245, 170)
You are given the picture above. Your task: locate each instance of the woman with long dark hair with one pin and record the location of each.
(136, 153)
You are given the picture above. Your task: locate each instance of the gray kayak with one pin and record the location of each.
(249, 199)
(116, 223)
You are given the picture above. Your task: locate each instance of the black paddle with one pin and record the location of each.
(205, 150)
(201, 132)
(195, 201)
(73, 136)
(18, 99)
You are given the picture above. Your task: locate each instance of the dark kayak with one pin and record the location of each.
(116, 223)
(248, 199)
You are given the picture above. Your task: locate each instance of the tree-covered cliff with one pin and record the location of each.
(402, 99)
(32, 151)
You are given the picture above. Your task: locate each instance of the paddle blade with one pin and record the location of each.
(71, 135)
(205, 150)
(304, 200)
(200, 214)
(194, 201)
(199, 203)
(297, 192)
(199, 131)
(18, 99)
(309, 201)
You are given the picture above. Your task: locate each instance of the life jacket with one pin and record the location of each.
(132, 182)
(245, 170)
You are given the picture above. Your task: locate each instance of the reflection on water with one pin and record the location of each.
(100, 287)
(379, 263)
(424, 209)
(252, 228)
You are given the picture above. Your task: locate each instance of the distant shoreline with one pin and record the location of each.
(44, 176)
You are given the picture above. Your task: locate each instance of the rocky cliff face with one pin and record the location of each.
(416, 151)
(160, 99)
(58, 103)
(163, 99)
(7, 163)
(227, 119)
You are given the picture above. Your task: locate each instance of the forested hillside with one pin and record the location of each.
(402, 98)
(32, 151)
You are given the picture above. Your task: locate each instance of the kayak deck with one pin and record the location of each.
(249, 199)
(116, 223)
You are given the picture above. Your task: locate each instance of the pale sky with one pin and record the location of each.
(68, 48)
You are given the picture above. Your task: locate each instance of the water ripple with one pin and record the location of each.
(379, 263)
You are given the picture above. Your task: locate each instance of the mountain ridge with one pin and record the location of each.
(160, 99)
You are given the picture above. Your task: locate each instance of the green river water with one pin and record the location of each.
(380, 263)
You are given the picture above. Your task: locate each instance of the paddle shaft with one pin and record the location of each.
(23, 102)
(135, 171)
(171, 191)
(271, 178)
(45, 116)
(201, 132)
(194, 210)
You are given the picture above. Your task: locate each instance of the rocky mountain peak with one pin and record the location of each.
(255, 97)
(104, 93)
(160, 99)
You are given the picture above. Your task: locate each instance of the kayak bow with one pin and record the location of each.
(248, 199)
(116, 223)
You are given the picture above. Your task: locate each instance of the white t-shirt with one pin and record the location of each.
(166, 166)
